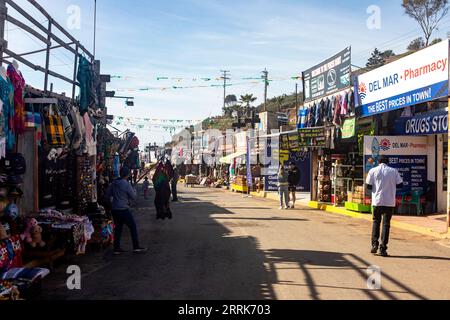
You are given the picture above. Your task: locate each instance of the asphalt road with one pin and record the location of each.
(223, 246)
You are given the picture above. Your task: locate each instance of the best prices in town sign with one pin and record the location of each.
(415, 79)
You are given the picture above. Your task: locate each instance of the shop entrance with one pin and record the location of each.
(442, 173)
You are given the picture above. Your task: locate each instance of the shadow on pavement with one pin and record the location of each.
(310, 260)
(192, 257)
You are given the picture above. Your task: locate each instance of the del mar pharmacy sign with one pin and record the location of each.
(417, 78)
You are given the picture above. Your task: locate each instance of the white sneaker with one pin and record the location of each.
(286, 208)
(281, 208)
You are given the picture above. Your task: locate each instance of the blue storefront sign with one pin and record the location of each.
(407, 99)
(424, 124)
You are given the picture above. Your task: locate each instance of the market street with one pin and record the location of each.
(221, 245)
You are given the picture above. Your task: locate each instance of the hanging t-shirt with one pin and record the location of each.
(18, 83)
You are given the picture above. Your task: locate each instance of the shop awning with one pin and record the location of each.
(229, 159)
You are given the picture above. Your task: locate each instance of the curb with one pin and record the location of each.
(396, 224)
(355, 215)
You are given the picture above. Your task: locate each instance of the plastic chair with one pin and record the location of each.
(416, 201)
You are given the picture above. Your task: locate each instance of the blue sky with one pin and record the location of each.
(198, 38)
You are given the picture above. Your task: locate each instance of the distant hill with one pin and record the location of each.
(288, 103)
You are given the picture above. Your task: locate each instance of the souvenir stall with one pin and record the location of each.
(329, 101)
(17, 181)
(48, 185)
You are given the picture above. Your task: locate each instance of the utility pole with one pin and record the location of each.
(266, 85)
(225, 74)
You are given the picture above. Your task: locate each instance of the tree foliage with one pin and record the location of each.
(416, 44)
(248, 99)
(428, 13)
(376, 60)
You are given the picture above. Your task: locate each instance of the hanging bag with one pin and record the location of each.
(54, 128)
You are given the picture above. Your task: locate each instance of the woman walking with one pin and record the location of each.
(161, 182)
(283, 188)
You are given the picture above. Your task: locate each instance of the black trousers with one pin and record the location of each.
(381, 215)
(121, 218)
(174, 190)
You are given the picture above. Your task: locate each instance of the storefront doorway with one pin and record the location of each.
(442, 172)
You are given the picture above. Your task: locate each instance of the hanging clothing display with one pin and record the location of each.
(344, 105)
(337, 111)
(85, 78)
(18, 83)
(351, 102)
(7, 97)
(78, 128)
(2, 147)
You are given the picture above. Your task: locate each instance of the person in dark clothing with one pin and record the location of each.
(161, 182)
(174, 183)
(294, 180)
(120, 194)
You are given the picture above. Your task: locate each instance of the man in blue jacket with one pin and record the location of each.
(122, 194)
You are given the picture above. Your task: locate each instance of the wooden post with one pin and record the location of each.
(47, 55)
(3, 15)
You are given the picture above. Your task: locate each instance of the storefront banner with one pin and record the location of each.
(302, 161)
(241, 141)
(271, 171)
(329, 77)
(415, 79)
(425, 124)
(249, 166)
(406, 154)
(395, 145)
(349, 128)
(312, 137)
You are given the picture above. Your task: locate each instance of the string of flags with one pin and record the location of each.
(183, 87)
(151, 124)
(200, 79)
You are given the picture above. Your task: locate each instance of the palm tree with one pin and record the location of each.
(248, 99)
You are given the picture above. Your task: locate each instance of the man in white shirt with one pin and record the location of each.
(383, 181)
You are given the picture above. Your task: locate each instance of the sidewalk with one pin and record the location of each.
(433, 226)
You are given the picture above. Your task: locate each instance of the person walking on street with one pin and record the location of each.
(161, 182)
(294, 180)
(174, 183)
(120, 194)
(283, 188)
(146, 188)
(383, 181)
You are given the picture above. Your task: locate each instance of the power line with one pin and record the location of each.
(406, 36)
